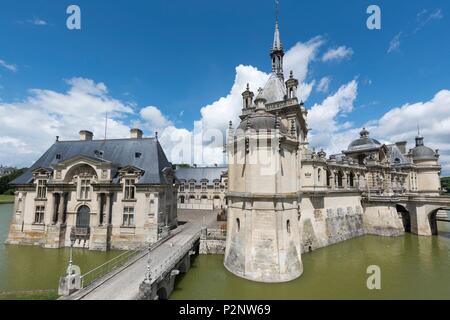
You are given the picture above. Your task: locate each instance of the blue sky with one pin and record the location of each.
(181, 56)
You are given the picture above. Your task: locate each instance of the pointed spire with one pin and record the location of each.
(277, 46)
(277, 52)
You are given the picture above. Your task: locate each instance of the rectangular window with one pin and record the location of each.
(130, 189)
(204, 186)
(128, 217)
(41, 189)
(85, 189)
(216, 185)
(182, 187)
(39, 215)
(192, 186)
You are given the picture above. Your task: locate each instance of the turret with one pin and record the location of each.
(247, 96)
(291, 86)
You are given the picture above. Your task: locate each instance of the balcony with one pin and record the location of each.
(80, 233)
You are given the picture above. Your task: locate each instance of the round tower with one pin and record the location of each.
(263, 237)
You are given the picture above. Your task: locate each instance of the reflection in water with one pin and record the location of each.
(412, 268)
(28, 268)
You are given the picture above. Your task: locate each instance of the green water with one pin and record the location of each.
(412, 267)
(33, 272)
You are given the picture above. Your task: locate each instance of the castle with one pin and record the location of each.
(285, 199)
(96, 194)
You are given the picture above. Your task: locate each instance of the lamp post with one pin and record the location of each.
(148, 276)
(72, 243)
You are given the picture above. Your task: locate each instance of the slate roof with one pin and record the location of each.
(119, 152)
(198, 174)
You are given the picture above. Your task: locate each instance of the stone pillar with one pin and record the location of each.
(61, 207)
(101, 209)
(107, 212)
(54, 210)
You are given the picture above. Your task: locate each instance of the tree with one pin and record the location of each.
(446, 184)
(5, 188)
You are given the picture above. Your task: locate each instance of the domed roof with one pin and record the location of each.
(364, 142)
(262, 120)
(421, 152)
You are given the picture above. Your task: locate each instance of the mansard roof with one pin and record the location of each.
(119, 152)
(199, 174)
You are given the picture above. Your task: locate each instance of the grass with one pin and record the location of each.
(6, 199)
(30, 295)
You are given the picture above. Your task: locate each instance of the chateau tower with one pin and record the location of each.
(263, 239)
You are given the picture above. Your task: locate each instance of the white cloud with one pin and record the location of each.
(154, 118)
(300, 56)
(8, 66)
(324, 84)
(337, 54)
(29, 127)
(394, 45)
(425, 16)
(38, 22)
(324, 118)
(398, 124)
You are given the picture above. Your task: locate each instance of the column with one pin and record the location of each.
(54, 209)
(107, 212)
(100, 208)
(61, 207)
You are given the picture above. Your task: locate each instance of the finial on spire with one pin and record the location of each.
(277, 9)
(248, 87)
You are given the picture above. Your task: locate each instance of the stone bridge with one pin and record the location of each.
(420, 214)
(167, 260)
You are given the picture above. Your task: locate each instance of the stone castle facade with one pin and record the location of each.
(96, 194)
(202, 188)
(285, 199)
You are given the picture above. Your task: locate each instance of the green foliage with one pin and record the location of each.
(4, 187)
(446, 183)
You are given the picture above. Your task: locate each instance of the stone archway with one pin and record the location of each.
(406, 217)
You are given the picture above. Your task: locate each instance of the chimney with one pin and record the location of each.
(401, 146)
(136, 133)
(86, 135)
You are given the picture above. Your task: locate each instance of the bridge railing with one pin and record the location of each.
(91, 276)
(161, 270)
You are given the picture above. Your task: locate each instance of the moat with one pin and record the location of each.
(412, 268)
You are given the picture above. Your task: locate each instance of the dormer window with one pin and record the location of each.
(204, 185)
(182, 185)
(216, 185)
(138, 155)
(99, 153)
(41, 190)
(191, 186)
(130, 189)
(58, 156)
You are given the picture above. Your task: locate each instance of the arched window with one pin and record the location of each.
(238, 224)
(182, 199)
(328, 178)
(319, 175)
(351, 181)
(340, 178)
